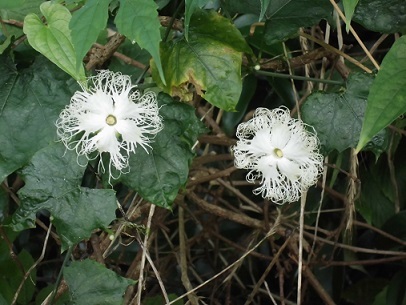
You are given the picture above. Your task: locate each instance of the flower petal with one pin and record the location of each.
(289, 169)
(283, 176)
(280, 135)
(82, 124)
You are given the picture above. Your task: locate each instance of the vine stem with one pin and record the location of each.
(300, 262)
(298, 77)
(58, 280)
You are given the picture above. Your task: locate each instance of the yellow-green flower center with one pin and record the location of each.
(111, 120)
(278, 152)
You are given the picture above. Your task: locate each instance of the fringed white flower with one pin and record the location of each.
(109, 116)
(280, 152)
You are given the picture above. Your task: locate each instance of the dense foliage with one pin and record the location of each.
(181, 225)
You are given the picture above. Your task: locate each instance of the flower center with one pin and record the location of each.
(111, 120)
(278, 152)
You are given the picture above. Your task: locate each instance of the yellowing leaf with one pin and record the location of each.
(210, 60)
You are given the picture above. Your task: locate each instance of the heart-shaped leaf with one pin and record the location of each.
(53, 39)
(337, 117)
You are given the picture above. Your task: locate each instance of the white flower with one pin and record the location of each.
(280, 152)
(109, 116)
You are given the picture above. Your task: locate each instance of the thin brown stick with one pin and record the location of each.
(124, 58)
(375, 46)
(271, 232)
(224, 173)
(183, 261)
(26, 275)
(252, 205)
(318, 287)
(201, 160)
(238, 247)
(338, 10)
(37, 221)
(379, 231)
(363, 262)
(279, 65)
(300, 258)
(209, 120)
(392, 173)
(223, 213)
(398, 130)
(166, 21)
(356, 249)
(217, 140)
(341, 53)
(17, 23)
(97, 253)
(266, 272)
(13, 256)
(98, 56)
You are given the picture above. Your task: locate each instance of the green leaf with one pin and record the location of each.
(159, 174)
(86, 24)
(30, 102)
(286, 17)
(210, 60)
(7, 4)
(364, 291)
(190, 7)
(12, 270)
(5, 44)
(19, 9)
(162, 3)
(380, 298)
(385, 16)
(337, 117)
(134, 52)
(349, 8)
(396, 225)
(91, 283)
(396, 293)
(242, 7)
(17, 13)
(4, 205)
(52, 182)
(264, 7)
(159, 299)
(231, 119)
(376, 203)
(387, 97)
(53, 39)
(138, 20)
